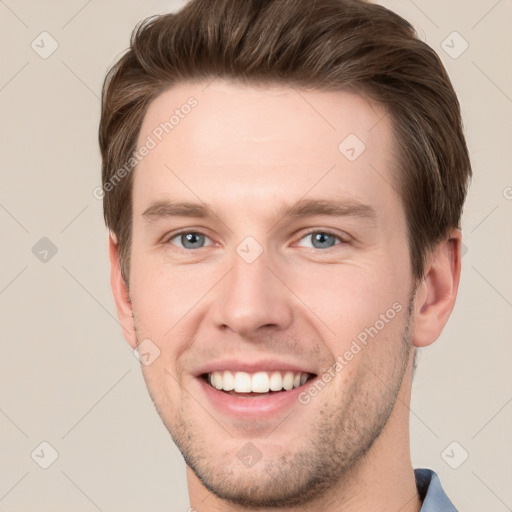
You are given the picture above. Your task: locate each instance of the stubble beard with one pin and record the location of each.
(339, 441)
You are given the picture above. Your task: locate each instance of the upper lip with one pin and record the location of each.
(253, 366)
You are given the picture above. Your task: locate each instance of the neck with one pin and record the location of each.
(383, 480)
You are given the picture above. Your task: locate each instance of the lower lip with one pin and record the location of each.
(260, 407)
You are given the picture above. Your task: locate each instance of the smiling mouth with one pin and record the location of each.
(244, 384)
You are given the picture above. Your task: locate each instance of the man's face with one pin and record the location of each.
(291, 243)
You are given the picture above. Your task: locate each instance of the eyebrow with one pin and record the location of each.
(303, 208)
(332, 208)
(164, 209)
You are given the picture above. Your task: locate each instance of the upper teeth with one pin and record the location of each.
(260, 382)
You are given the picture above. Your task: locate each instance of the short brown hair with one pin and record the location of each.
(321, 44)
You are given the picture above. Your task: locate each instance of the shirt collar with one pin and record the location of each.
(431, 492)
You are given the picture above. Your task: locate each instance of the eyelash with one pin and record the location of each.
(309, 233)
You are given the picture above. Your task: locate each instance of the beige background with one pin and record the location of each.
(68, 378)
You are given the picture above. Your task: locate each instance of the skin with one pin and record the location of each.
(249, 153)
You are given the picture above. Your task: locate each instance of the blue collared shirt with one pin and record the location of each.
(431, 492)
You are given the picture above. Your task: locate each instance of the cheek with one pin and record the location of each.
(163, 296)
(348, 298)
(168, 308)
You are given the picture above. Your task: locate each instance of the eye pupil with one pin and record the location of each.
(323, 240)
(192, 240)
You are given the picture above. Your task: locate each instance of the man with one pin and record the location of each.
(284, 183)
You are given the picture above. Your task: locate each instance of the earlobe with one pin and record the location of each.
(120, 293)
(436, 294)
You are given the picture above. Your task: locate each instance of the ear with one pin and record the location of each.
(435, 296)
(121, 294)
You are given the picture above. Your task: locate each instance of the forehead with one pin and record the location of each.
(221, 139)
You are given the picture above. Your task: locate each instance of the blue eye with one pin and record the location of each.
(189, 240)
(316, 240)
(320, 240)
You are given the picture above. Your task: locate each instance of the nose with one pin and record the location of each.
(251, 298)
